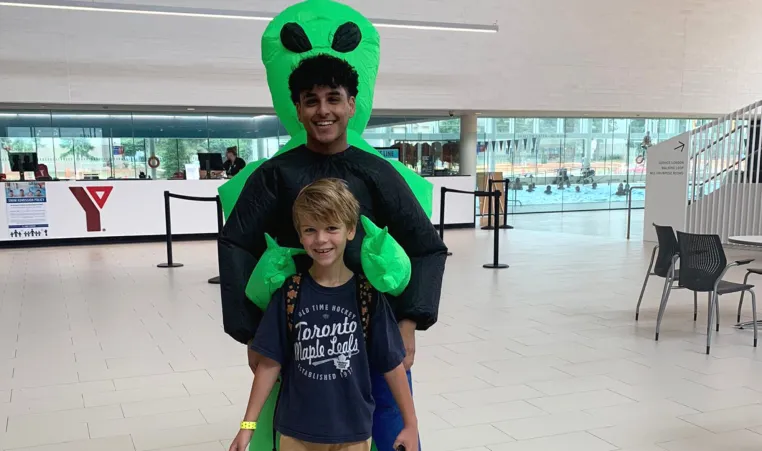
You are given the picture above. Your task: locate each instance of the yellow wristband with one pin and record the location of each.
(249, 425)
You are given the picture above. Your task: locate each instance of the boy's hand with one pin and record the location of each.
(407, 438)
(241, 441)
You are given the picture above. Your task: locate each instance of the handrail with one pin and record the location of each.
(726, 135)
(629, 206)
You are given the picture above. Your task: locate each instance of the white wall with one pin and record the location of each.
(628, 56)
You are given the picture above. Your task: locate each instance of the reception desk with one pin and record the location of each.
(103, 209)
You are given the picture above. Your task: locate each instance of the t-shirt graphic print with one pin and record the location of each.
(326, 341)
(326, 395)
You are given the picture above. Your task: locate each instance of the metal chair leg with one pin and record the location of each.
(645, 282)
(663, 304)
(716, 310)
(754, 314)
(712, 297)
(740, 303)
(695, 306)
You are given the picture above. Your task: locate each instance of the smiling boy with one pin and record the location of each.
(322, 332)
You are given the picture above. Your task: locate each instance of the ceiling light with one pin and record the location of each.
(229, 14)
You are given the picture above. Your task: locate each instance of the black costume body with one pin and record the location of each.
(265, 206)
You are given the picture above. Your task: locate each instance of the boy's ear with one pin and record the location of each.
(351, 233)
(352, 106)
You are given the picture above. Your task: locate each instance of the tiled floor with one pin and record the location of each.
(100, 350)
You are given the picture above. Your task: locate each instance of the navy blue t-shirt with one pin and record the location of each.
(326, 391)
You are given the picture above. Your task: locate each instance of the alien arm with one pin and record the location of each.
(398, 209)
(239, 247)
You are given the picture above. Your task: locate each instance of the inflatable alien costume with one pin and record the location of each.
(404, 258)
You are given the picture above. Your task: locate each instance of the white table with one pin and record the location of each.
(747, 240)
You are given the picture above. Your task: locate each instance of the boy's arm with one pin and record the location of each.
(264, 380)
(398, 384)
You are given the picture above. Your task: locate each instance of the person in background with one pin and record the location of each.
(233, 164)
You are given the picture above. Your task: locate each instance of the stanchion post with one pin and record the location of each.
(489, 209)
(216, 279)
(507, 185)
(442, 215)
(168, 220)
(496, 250)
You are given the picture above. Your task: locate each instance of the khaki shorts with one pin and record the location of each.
(292, 444)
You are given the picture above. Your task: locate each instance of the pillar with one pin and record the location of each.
(468, 142)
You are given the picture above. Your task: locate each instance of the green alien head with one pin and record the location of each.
(316, 27)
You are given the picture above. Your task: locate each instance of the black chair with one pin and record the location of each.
(662, 264)
(749, 272)
(703, 264)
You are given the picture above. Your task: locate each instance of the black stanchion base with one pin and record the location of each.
(488, 228)
(214, 280)
(169, 265)
(495, 266)
(506, 226)
(449, 254)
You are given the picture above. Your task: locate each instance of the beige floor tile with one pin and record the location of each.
(576, 441)
(580, 401)
(158, 406)
(209, 446)
(63, 390)
(483, 397)
(124, 426)
(745, 417)
(28, 435)
(189, 379)
(547, 425)
(122, 443)
(134, 395)
(464, 437)
(485, 414)
(742, 440)
(659, 429)
(184, 436)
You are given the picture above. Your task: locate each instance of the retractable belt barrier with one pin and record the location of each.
(494, 194)
(168, 218)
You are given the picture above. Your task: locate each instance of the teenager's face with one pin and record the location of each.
(325, 112)
(324, 243)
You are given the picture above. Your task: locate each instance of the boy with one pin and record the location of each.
(324, 90)
(323, 340)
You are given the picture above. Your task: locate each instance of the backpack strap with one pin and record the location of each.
(366, 296)
(292, 299)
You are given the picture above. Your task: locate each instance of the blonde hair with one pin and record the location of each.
(328, 201)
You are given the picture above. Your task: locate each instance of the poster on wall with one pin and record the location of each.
(27, 210)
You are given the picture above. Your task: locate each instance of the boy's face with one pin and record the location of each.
(325, 112)
(324, 243)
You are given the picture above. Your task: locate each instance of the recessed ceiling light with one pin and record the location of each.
(156, 10)
(191, 109)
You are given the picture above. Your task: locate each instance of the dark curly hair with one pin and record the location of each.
(322, 70)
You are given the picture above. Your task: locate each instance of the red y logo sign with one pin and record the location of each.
(92, 206)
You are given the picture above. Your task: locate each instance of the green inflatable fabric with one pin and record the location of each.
(384, 262)
(320, 20)
(274, 267)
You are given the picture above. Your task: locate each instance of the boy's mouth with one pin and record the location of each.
(324, 124)
(323, 251)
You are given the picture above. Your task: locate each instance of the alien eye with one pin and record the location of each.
(294, 38)
(347, 38)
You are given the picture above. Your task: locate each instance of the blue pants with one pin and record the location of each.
(387, 418)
